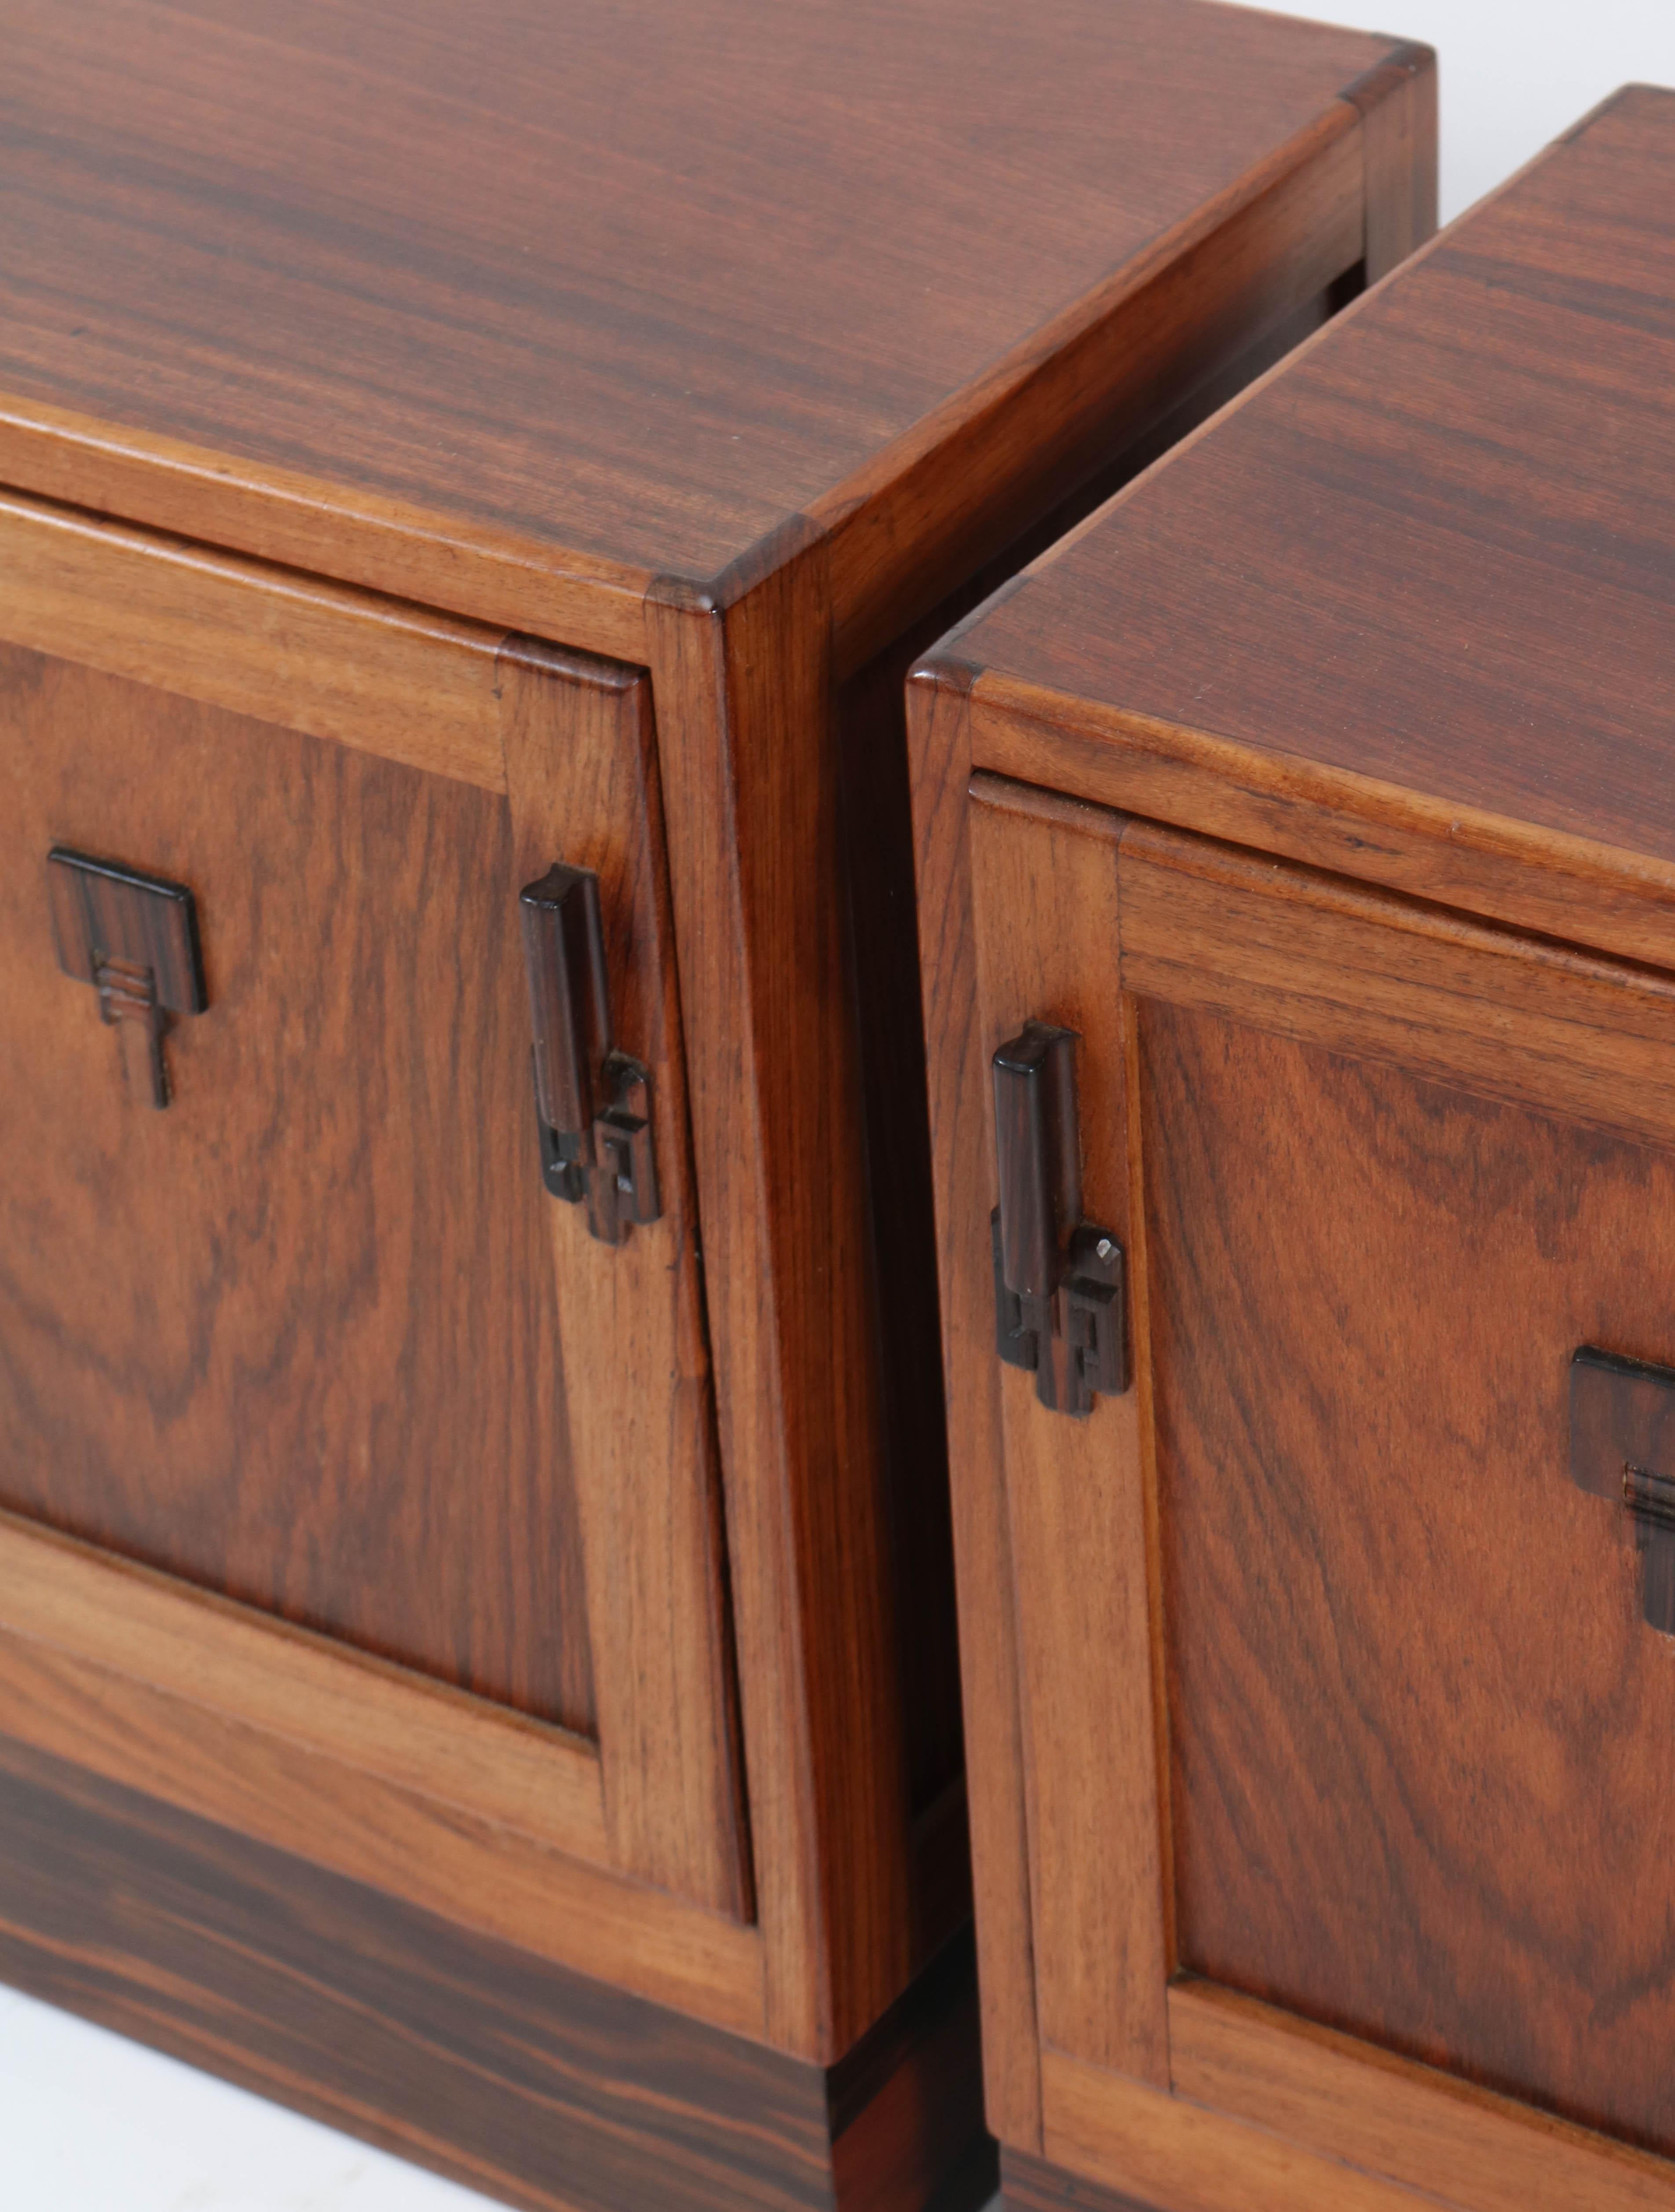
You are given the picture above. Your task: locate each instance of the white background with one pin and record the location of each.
(1515, 73)
(90, 2123)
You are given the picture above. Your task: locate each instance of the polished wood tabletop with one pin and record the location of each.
(1421, 582)
(636, 281)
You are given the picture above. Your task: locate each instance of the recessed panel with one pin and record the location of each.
(1420, 1729)
(293, 1337)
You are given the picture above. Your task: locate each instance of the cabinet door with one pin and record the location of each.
(314, 1338)
(1350, 1800)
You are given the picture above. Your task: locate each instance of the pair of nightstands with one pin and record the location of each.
(478, 1647)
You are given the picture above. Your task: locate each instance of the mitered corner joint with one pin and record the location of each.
(593, 1103)
(1059, 1295)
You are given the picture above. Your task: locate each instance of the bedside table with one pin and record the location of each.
(1297, 894)
(479, 1651)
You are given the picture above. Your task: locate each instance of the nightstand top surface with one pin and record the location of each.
(1425, 570)
(643, 280)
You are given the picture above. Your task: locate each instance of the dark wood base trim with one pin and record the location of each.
(1029, 2184)
(503, 2071)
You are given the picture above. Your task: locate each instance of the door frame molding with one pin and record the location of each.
(1194, 2094)
(648, 1825)
(361, 1766)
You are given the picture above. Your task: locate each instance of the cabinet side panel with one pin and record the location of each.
(243, 1339)
(878, 843)
(873, 770)
(1420, 1729)
(1095, 378)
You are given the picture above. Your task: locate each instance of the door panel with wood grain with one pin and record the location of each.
(290, 1337)
(314, 1335)
(1419, 1729)
(1345, 1709)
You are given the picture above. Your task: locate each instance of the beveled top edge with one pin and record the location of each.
(1552, 301)
(536, 580)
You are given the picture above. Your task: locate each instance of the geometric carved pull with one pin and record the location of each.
(134, 938)
(593, 1105)
(1623, 1447)
(1059, 1305)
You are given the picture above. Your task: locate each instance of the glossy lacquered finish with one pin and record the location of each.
(460, 2052)
(492, 355)
(1421, 509)
(1317, 786)
(488, 1444)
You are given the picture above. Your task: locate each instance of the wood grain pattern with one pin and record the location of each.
(578, 748)
(413, 1844)
(1045, 898)
(1312, 957)
(235, 1340)
(939, 745)
(875, 798)
(1460, 2145)
(1181, 2157)
(462, 2053)
(611, 334)
(284, 516)
(1477, 1811)
(1398, 1166)
(514, 2075)
(1449, 854)
(1091, 382)
(1316, 2103)
(1397, 98)
(231, 251)
(908, 2131)
(1030, 2185)
(581, 773)
(754, 863)
(465, 2054)
(1419, 1786)
(400, 681)
(1496, 536)
(876, 830)
(958, 1090)
(306, 1689)
(957, 1076)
